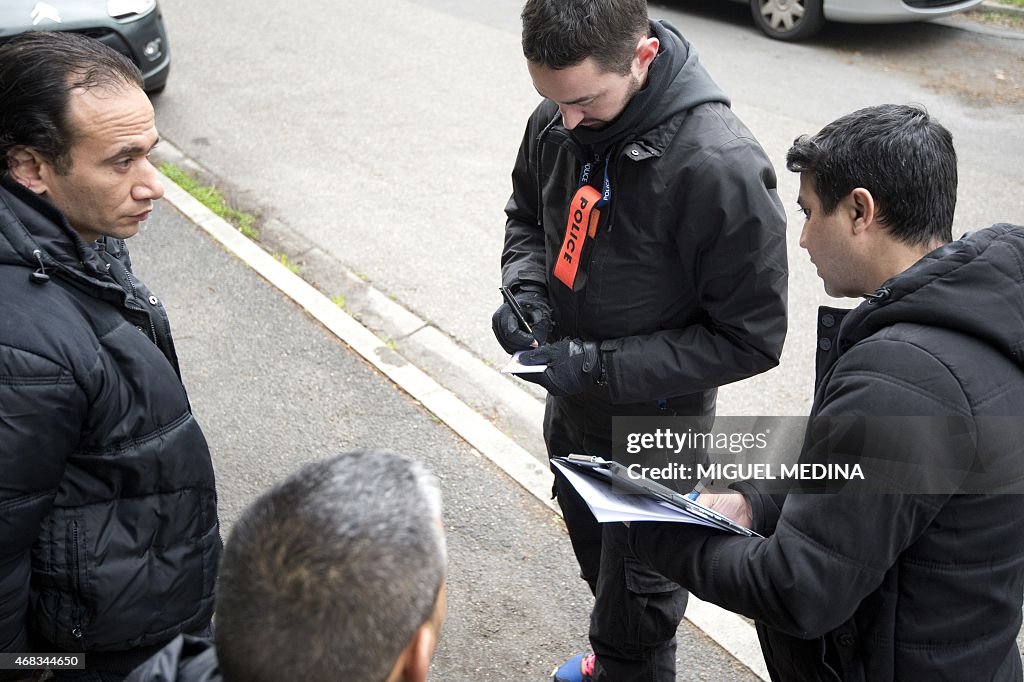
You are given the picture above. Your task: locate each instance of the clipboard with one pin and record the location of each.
(617, 475)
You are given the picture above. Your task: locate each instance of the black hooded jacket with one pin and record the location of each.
(902, 586)
(109, 537)
(684, 284)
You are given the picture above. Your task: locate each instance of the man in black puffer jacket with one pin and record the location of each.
(109, 538)
(925, 582)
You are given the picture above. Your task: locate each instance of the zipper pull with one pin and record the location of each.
(880, 295)
(39, 276)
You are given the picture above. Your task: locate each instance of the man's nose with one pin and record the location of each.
(571, 117)
(803, 237)
(149, 187)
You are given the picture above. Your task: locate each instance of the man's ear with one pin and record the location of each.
(862, 206)
(646, 51)
(25, 167)
(418, 654)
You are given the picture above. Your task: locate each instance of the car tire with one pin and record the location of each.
(788, 19)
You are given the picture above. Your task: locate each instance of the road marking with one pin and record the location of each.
(730, 631)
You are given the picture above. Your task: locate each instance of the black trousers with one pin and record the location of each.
(636, 610)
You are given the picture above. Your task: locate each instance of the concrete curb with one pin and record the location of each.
(513, 406)
(996, 8)
(730, 631)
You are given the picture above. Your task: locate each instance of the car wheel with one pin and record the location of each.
(788, 19)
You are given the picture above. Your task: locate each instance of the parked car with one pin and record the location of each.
(800, 19)
(134, 28)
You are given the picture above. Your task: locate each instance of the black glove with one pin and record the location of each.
(573, 366)
(510, 332)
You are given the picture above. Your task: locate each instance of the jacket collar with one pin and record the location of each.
(36, 234)
(971, 286)
(827, 349)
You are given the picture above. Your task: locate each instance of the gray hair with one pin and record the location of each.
(329, 574)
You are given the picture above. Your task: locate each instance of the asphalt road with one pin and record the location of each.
(272, 389)
(381, 136)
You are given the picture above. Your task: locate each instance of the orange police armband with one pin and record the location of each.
(582, 223)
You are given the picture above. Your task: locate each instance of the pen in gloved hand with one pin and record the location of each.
(516, 310)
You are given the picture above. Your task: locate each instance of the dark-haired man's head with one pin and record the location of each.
(878, 191)
(76, 128)
(335, 574)
(588, 56)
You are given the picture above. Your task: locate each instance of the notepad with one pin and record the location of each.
(516, 367)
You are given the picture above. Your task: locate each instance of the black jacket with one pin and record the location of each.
(895, 586)
(109, 537)
(685, 282)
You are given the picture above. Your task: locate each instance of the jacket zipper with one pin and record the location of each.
(76, 617)
(135, 294)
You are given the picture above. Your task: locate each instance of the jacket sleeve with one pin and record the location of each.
(523, 258)
(733, 218)
(830, 550)
(765, 505)
(41, 410)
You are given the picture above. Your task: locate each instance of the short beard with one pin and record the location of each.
(634, 87)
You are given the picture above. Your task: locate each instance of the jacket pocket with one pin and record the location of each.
(653, 609)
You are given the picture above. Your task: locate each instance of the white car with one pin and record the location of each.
(799, 19)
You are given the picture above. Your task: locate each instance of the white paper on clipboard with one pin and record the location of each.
(609, 506)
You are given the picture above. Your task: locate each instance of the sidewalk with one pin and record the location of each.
(989, 18)
(273, 389)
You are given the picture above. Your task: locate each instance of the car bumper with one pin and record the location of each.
(892, 11)
(142, 39)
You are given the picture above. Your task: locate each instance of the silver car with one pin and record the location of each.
(134, 28)
(799, 19)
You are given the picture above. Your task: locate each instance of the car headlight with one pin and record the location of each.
(120, 9)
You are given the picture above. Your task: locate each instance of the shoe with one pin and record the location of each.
(577, 669)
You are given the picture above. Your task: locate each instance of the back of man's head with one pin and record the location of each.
(900, 154)
(562, 33)
(330, 574)
(38, 71)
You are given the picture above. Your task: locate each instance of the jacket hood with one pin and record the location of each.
(676, 82)
(973, 286)
(29, 223)
(185, 659)
(690, 84)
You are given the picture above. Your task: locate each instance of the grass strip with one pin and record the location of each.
(210, 197)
